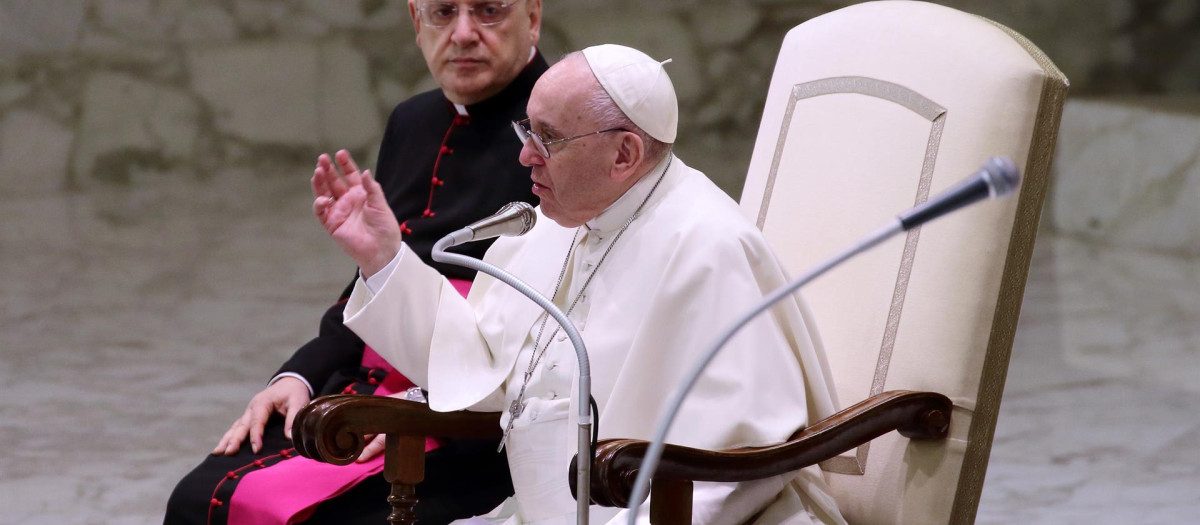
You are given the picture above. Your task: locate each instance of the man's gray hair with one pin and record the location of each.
(608, 115)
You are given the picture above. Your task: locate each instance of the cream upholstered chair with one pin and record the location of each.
(872, 109)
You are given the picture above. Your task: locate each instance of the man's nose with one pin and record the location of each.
(529, 156)
(466, 30)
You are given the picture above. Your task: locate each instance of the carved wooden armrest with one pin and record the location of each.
(916, 415)
(333, 429)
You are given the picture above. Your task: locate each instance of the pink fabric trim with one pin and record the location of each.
(288, 492)
(461, 285)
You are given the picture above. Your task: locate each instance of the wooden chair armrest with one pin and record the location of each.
(333, 428)
(916, 415)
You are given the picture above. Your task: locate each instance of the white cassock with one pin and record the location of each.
(686, 267)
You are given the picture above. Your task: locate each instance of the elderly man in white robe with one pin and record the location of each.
(649, 259)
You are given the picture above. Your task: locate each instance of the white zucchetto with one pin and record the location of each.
(640, 87)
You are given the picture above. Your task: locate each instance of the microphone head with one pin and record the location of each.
(513, 219)
(526, 217)
(1001, 175)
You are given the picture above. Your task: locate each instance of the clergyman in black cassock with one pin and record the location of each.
(441, 166)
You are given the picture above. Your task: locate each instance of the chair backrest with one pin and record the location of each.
(872, 109)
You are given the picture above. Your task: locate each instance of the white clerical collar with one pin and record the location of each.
(619, 211)
(461, 109)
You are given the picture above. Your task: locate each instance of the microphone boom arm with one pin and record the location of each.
(998, 177)
(584, 457)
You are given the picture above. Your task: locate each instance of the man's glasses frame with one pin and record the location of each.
(526, 134)
(442, 14)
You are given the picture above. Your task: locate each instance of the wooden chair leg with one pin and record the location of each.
(403, 467)
(670, 502)
(404, 503)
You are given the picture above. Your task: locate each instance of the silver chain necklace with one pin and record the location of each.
(518, 405)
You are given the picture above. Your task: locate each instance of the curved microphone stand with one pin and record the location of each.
(584, 457)
(997, 178)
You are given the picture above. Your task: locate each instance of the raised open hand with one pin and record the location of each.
(354, 211)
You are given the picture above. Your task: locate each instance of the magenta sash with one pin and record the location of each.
(289, 491)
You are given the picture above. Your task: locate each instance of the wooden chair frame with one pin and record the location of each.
(334, 429)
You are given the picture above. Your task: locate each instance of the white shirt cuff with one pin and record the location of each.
(375, 282)
(295, 375)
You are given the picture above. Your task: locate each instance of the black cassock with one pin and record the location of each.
(440, 171)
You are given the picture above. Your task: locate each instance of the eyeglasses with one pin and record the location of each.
(524, 134)
(442, 14)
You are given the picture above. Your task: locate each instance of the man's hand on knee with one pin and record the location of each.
(285, 396)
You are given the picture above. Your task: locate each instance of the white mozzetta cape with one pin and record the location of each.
(685, 269)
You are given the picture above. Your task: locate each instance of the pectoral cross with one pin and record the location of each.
(514, 411)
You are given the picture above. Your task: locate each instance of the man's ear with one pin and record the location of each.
(630, 154)
(535, 20)
(412, 13)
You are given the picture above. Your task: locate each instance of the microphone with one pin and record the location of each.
(997, 177)
(512, 220)
(515, 219)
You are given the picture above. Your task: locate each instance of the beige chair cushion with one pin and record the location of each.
(872, 109)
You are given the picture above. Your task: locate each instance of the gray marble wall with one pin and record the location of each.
(119, 91)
